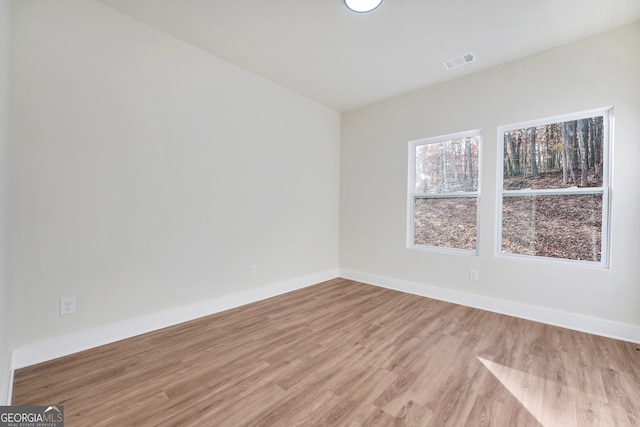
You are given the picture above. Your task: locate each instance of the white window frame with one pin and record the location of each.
(605, 190)
(413, 195)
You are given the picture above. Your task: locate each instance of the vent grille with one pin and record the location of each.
(460, 60)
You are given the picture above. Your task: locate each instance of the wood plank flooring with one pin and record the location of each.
(342, 353)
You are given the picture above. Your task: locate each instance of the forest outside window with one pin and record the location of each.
(443, 192)
(555, 188)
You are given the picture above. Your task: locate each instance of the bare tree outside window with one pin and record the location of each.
(555, 188)
(444, 191)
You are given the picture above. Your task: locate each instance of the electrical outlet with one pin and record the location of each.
(345, 255)
(67, 305)
(253, 271)
(474, 275)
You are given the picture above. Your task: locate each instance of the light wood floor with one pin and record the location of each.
(346, 354)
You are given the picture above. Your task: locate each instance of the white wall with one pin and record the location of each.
(147, 174)
(4, 135)
(595, 72)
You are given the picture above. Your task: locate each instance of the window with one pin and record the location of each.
(554, 191)
(443, 192)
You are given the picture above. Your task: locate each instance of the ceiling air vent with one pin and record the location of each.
(460, 60)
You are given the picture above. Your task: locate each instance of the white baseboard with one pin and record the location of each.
(591, 325)
(9, 387)
(6, 383)
(68, 344)
(64, 345)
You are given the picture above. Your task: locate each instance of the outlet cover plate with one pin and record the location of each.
(67, 305)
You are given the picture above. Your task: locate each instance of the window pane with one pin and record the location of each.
(556, 155)
(446, 222)
(447, 166)
(558, 226)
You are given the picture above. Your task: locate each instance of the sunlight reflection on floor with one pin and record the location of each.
(551, 403)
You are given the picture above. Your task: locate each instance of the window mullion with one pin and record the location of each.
(444, 195)
(553, 192)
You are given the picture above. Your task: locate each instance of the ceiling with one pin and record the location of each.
(345, 60)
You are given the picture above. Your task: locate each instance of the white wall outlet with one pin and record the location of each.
(67, 305)
(253, 271)
(474, 275)
(345, 255)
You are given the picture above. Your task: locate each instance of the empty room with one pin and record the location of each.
(321, 212)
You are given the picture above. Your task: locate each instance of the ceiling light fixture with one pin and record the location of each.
(362, 6)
